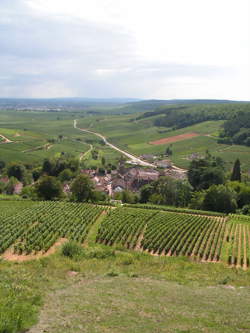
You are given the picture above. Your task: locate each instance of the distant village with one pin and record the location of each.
(126, 177)
(134, 177)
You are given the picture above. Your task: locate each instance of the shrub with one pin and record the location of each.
(72, 249)
(112, 274)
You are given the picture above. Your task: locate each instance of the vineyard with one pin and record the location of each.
(8, 208)
(38, 227)
(34, 227)
(210, 239)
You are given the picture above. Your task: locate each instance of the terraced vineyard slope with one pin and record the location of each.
(237, 241)
(30, 228)
(210, 239)
(10, 207)
(38, 227)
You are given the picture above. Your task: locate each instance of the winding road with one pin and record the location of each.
(6, 140)
(133, 159)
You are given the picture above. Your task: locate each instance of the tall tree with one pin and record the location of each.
(220, 198)
(2, 165)
(48, 167)
(49, 188)
(16, 170)
(204, 172)
(82, 189)
(236, 174)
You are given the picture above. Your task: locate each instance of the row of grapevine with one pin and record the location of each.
(8, 208)
(175, 209)
(123, 226)
(174, 234)
(38, 228)
(237, 244)
(167, 233)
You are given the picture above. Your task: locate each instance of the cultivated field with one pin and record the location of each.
(135, 136)
(34, 136)
(176, 138)
(33, 229)
(203, 238)
(36, 229)
(144, 293)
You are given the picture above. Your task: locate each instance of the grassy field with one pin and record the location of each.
(126, 292)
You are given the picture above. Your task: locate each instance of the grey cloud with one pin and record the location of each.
(38, 51)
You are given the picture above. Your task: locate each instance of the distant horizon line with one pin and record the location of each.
(122, 98)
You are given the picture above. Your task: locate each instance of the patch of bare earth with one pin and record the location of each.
(5, 140)
(10, 256)
(138, 246)
(175, 138)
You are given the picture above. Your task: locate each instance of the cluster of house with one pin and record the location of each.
(132, 178)
(17, 188)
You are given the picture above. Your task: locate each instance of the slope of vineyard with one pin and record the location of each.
(8, 208)
(123, 226)
(30, 228)
(237, 241)
(38, 227)
(174, 234)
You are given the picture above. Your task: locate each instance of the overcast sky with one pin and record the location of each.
(125, 48)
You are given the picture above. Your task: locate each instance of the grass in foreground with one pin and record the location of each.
(103, 290)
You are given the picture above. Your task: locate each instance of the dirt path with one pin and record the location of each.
(10, 256)
(6, 140)
(86, 153)
(47, 146)
(138, 246)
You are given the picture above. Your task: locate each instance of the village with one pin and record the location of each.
(132, 178)
(126, 177)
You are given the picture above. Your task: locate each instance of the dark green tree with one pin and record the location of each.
(220, 198)
(236, 174)
(169, 151)
(49, 188)
(168, 191)
(145, 193)
(129, 197)
(48, 167)
(66, 175)
(16, 170)
(2, 165)
(204, 172)
(82, 189)
(36, 173)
